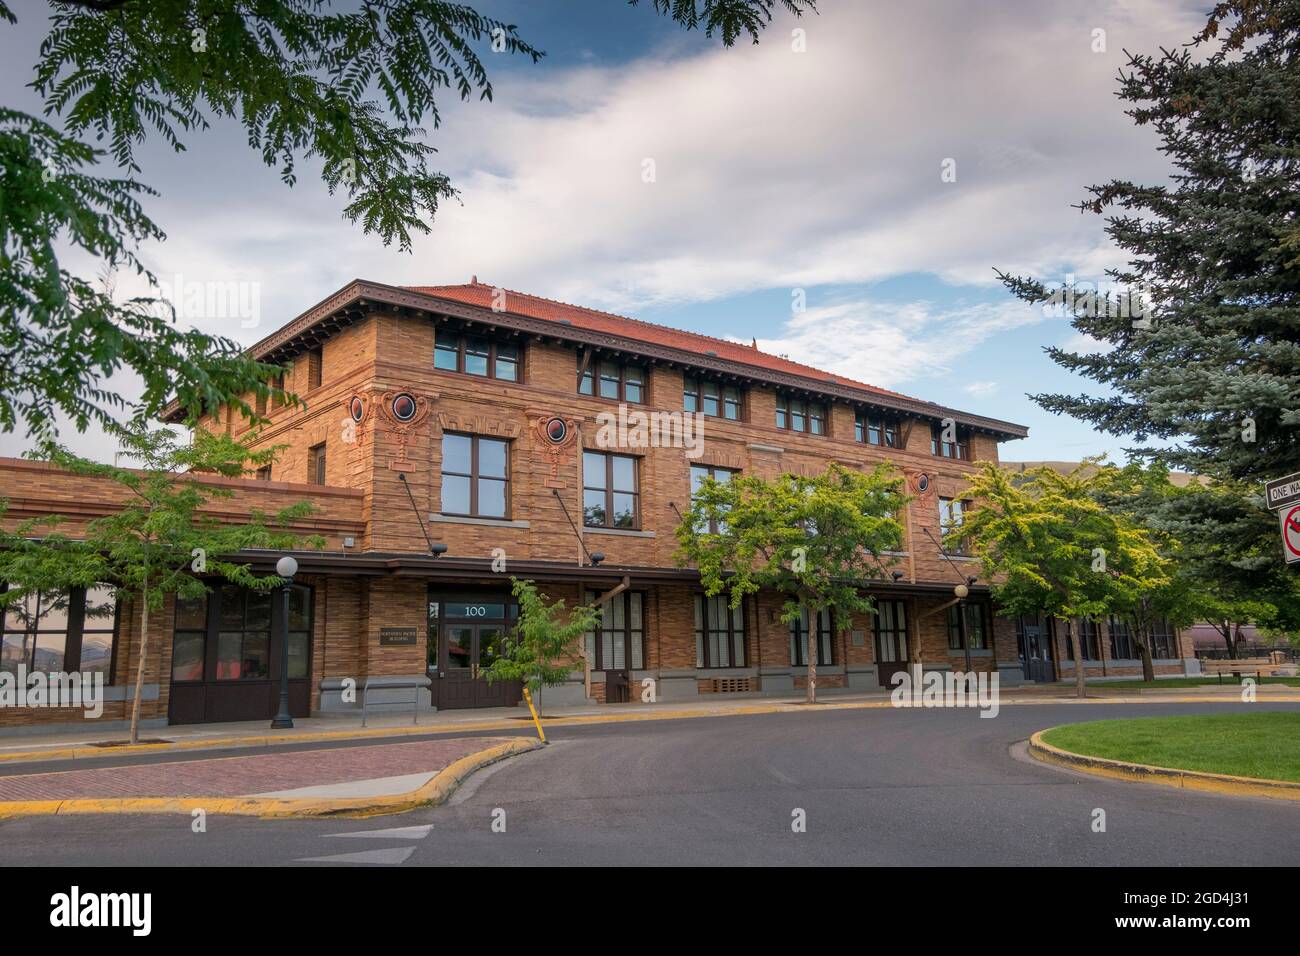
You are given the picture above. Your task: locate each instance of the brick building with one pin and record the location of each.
(449, 440)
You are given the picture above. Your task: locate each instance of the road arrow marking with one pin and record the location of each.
(389, 857)
(392, 833)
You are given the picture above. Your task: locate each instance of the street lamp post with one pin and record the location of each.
(961, 591)
(286, 568)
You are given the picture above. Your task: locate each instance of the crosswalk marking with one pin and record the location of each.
(390, 856)
(392, 833)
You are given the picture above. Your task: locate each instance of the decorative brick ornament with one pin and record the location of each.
(557, 435)
(401, 412)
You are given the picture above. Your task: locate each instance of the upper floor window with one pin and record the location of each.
(823, 644)
(711, 398)
(941, 446)
(475, 355)
(721, 475)
(798, 415)
(874, 430)
(951, 517)
(475, 476)
(314, 361)
(610, 494)
(60, 631)
(264, 473)
(616, 380)
(316, 464)
(719, 632)
(976, 626)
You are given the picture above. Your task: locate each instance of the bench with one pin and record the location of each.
(1250, 665)
(393, 690)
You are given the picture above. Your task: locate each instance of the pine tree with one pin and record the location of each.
(1204, 344)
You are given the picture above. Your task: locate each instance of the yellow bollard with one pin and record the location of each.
(541, 734)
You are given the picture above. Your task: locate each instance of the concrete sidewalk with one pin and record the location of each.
(365, 779)
(94, 743)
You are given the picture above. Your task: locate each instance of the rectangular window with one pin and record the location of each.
(610, 495)
(316, 464)
(618, 642)
(719, 632)
(951, 517)
(1164, 640)
(277, 385)
(189, 638)
(712, 398)
(314, 368)
(976, 627)
(60, 631)
(264, 473)
(616, 380)
(721, 475)
(1122, 647)
(823, 640)
(958, 449)
(891, 631)
(244, 635)
(1086, 632)
(876, 430)
(797, 415)
(475, 476)
(475, 355)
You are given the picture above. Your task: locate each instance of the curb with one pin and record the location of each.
(1163, 776)
(433, 793)
(272, 740)
(86, 752)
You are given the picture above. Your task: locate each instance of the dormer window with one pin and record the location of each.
(475, 355)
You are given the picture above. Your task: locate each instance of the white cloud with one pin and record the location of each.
(888, 344)
(981, 388)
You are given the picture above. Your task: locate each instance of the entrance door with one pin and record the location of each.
(1036, 650)
(891, 640)
(469, 650)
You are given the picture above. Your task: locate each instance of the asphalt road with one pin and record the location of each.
(896, 787)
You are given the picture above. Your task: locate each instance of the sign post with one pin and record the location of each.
(1283, 496)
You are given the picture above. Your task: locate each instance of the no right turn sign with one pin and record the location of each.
(1290, 518)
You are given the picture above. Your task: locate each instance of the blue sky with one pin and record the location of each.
(808, 166)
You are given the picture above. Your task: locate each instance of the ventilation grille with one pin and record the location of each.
(731, 685)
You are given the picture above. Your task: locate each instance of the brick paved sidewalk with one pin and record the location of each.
(242, 776)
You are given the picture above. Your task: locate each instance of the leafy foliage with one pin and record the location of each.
(816, 540)
(543, 643)
(730, 18)
(1050, 545)
(62, 335)
(349, 88)
(157, 542)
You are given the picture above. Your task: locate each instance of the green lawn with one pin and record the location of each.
(1246, 745)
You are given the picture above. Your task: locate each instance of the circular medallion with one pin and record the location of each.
(922, 483)
(357, 409)
(403, 407)
(556, 430)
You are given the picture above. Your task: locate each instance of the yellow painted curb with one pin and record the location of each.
(1163, 776)
(433, 793)
(275, 740)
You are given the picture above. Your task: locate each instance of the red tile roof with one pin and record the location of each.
(521, 303)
